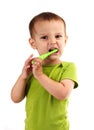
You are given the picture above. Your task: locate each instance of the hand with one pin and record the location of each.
(37, 67)
(27, 69)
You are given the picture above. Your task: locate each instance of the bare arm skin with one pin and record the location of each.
(18, 90)
(59, 90)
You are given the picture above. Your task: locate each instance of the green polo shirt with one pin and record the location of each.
(44, 111)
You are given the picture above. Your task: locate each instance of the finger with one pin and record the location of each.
(37, 60)
(29, 60)
(37, 64)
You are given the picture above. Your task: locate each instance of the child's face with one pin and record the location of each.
(49, 35)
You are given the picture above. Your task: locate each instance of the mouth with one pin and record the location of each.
(51, 49)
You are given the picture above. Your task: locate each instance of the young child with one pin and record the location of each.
(46, 84)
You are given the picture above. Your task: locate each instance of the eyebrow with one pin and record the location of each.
(41, 34)
(48, 33)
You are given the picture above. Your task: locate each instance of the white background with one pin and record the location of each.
(14, 49)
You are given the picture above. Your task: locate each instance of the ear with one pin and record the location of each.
(32, 43)
(66, 39)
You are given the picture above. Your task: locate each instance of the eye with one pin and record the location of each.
(44, 37)
(58, 36)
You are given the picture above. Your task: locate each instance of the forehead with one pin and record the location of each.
(47, 25)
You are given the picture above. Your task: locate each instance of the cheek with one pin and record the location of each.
(41, 49)
(62, 46)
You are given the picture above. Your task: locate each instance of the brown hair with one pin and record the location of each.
(47, 16)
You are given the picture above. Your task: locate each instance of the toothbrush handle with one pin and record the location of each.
(44, 56)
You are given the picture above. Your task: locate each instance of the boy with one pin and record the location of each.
(46, 84)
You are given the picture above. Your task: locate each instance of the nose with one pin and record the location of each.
(52, 40)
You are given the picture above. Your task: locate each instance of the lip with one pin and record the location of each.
(51, 49)
(55, 53)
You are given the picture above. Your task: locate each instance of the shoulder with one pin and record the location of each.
(70, 72)
(66, 64)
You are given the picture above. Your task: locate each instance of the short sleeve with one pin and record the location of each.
(70, 72)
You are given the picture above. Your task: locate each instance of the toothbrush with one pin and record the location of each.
(44, 56)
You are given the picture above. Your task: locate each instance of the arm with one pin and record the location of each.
(59, 90)
(18, 90)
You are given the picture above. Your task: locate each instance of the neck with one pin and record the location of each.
(51, 62)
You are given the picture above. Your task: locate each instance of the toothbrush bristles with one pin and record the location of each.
(53, 49)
